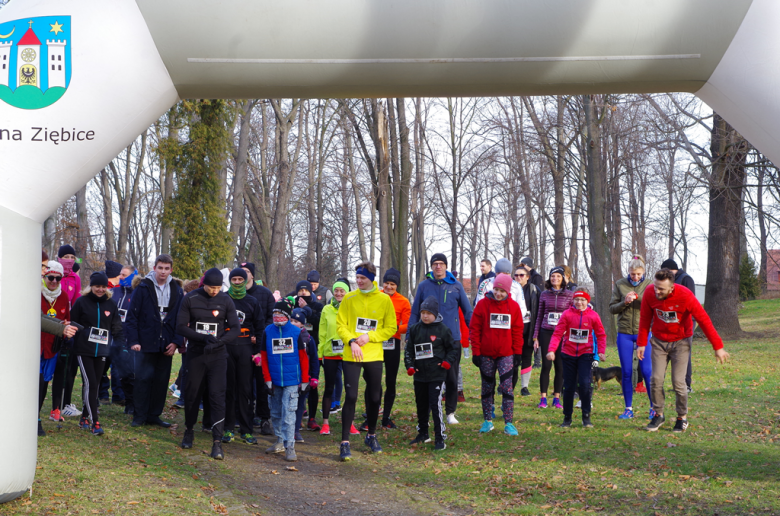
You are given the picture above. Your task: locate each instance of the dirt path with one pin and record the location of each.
(251, 482)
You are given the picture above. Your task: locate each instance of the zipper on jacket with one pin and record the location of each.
(96, 344)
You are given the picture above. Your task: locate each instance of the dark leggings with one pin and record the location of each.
(64, 376)
(43, 386)
(331, 368)
(373, 395)
(544, 377)
(392, 361)
(314, 399)
(91, 373)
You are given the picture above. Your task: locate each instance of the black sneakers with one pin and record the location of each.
(566, 422)
(681, 425)
(216, 451)
(656, 423)
(586, 421)
(420, 439)
(525, 392)
(186, 442)
(439, 446)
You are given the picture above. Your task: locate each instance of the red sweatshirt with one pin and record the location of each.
(576, 329)
(496, 328)
(670, 319)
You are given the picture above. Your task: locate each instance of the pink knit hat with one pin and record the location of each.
(503, 281)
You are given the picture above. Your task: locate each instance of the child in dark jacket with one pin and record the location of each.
(300, 318)
(574, 332)
(430, 351)
(496, 333)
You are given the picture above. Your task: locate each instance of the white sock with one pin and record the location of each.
(630, 408)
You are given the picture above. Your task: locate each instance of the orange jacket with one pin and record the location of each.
(403, 310)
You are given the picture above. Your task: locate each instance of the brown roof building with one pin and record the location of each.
(773, 270)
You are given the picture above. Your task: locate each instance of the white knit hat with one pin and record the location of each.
(53, 266)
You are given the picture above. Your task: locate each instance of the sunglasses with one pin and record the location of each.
(54, 278)
(520, 275)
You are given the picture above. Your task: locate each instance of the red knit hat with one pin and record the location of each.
(580, 293)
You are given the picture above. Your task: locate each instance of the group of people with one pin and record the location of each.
(252, 358)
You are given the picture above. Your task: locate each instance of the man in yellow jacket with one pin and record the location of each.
(365, 320)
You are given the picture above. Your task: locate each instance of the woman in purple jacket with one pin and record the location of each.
(552, 303)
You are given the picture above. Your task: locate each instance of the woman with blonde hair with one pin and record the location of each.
(626, 303)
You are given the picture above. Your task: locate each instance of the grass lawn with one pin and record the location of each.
(727, 463)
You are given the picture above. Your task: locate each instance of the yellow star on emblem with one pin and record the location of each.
(56, 28)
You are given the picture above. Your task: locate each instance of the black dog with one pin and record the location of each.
(605, 374)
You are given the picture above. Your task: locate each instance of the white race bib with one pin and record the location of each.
(667, 317)
(337, 346)
(206, 328)
(241, 316)
(423, 351)
(501, 321)
(122, 313)
(579, 336)
(282, 346)
(553, 318)
(364, 325)
(389, 344)
(98, 336)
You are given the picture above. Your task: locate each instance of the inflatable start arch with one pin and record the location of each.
(81, 79)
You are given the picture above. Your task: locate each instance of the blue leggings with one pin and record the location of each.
(626, 345)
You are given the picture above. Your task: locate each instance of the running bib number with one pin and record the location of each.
(308, 327)
(241, 316)
(282, 346)
(337, 346)
(163, 312)
(122, 314)
(206, 328)
(98, 336)
(579, 336)
(423, 351)
(553, 318)
(388, 345)
(667, 317)
(501, 321)
(364, 325)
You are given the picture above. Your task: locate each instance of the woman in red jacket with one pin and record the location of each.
(574, 333)
(496, 333)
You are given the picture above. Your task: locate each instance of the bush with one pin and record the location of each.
(749, 287)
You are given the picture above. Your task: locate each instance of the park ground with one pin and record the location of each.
(727, 463)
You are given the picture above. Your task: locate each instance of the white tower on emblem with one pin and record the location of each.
(56, 62)
(5, 61)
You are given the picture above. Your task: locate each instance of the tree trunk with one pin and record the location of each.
(82, 233)
(762, 270)
(239, 178)
(729, 154)
(108, 214)
(166, 181)
(401, 211)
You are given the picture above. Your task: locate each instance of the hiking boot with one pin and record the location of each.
(277, 447)
(388, 424)
(656, 423)
(461, 397)
(227, 437)
(525, 392)
(266, 427)
(84, 423)
(557, 403)
(681, 425)
(627, 414)
(313, 426)
(451, 419)
(289, 454)
(96, 429)
(56, 416)
(487, 426)
(325, 430)
(70, 410)
(248, 438)
(372, 443)
(41, 431)
(216, 451)
(344, 453)
(586, 421)
(420, 439)
(439, 446)
(509, 429)
(363, 426)
(542, 403)
(354, 431)
(189, 436)
(298, 437)
(566, 422)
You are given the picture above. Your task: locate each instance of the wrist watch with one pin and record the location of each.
(352, 341)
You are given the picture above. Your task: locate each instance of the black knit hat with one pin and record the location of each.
(557, 270)
(113, 269)
(65, 249)
(98, 279)
(250, 266)
(238, 271)
(313, 277)
(213, 278)
(528, 261)
(670, 264)
(430, 305)
(304, 284)
(439, 257)
(393, 276)
(283, 306)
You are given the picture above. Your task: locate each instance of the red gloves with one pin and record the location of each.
(446, 365)
(411, 371)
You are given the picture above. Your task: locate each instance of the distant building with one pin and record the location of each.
(773, 270)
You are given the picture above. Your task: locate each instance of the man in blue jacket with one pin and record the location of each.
(151, 329)
(448, 291)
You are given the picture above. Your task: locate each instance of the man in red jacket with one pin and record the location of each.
(668, 308)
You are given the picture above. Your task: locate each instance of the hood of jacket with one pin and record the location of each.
(448, 278)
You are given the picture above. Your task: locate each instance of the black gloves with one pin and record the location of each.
(210, 339)
(476, 360)
(517, 360)
(212, 345)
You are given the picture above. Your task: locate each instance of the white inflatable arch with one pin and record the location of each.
(81, 79)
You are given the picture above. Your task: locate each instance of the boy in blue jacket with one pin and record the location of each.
(285, 365)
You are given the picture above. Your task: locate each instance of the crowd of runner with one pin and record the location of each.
(253, 359)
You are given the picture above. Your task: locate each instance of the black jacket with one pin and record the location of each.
(537, 279)
(251, 318)
(531, 294)
(198, 309)
(682, 278)
(95, 313)
(444, 347)
(266, 302)
(313, 322)
(143, 322)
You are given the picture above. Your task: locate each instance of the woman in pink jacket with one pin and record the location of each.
(575, 333)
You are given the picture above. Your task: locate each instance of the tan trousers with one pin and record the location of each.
(677, 353)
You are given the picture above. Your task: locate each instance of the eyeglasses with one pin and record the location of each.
(520, 275)
(54, 278)
(438, 264)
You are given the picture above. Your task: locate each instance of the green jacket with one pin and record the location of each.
(627, 315)
(328, 331)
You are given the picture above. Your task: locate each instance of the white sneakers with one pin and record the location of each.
(70, 410)
(451, 419)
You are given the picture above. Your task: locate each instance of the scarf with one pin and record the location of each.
(51, 295)
(638, 282)
(128, 281)
(373, 288)
(335, 304)
(237, 291)
(280, 319)
(67, 265)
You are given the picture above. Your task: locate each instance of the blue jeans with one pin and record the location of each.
(626, 345)
(283, 402)
(302, 397)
